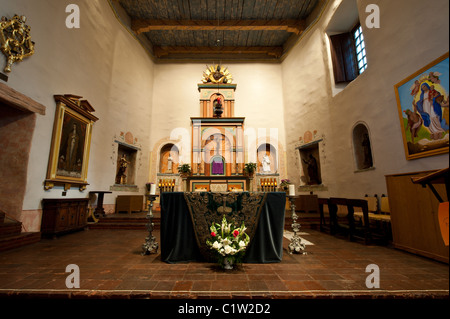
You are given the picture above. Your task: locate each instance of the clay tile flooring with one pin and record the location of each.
(112, 267)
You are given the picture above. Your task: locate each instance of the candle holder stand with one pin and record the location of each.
(151, 245)
(296, 245)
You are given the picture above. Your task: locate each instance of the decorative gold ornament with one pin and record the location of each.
(15, 40)
(217, 74)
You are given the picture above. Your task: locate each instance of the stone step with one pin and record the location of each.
(19, 240)
(10, 228)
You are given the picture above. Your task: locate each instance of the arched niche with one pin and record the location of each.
(216, 100)
(310, 162)
(169, 159)
(362, 148)
(267, 159)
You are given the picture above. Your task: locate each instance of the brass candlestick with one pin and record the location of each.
(151, 245)
(296, 245)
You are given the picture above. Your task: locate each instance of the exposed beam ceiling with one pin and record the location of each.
(199, 30)
(295, 26)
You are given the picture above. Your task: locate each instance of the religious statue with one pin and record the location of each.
(216, 74)
(367, 151)
(266, 164)
(72, 148)
(121, 176)
(217, 107)
(169, 164)
(313, 171)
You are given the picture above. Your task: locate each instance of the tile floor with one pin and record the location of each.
(112, 267)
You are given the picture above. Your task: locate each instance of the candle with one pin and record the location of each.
(152, 189)
(291, 190)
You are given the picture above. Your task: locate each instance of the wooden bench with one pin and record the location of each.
(379, 218)
(347, 216)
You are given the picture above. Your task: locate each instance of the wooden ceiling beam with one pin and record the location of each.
(294, 26)
(161, 51)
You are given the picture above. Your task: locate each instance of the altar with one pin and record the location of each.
(181, 234)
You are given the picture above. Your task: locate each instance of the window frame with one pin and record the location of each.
(363, 48)
(344, 55)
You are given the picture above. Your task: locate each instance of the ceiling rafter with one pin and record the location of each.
(146, 25)
(274, 51)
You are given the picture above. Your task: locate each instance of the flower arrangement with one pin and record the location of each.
(229, 242)
(285, 184)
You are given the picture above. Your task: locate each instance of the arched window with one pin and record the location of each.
(362, 147)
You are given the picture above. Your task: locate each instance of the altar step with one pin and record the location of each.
(11, 235)
(136, 221)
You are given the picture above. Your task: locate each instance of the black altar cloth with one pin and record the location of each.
(178, 240)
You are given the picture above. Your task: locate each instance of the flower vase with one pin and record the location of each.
(228, 263)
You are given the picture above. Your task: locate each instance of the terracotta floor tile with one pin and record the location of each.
(111, 266)
(184, 285)
(202, 285)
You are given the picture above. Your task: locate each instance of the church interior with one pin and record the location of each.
(129, 128)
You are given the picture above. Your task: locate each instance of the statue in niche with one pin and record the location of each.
(217, 107)
(266, 163)
(121, 176)
(367, 152)
(169, 164)
(313, 170)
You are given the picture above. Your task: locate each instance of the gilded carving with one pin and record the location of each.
(15, 40)
(217, 74)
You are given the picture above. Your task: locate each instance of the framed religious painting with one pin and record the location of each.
(423, 101)
(71, 140)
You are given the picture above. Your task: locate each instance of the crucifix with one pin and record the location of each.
(218, 139)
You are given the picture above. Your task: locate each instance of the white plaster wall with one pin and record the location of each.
(176, 99)
(100, 61)
(412, 34)
(103, 63)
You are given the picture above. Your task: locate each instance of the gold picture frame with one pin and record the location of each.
(71, 141)
(423, 109)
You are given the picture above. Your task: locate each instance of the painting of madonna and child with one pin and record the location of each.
(423, 103)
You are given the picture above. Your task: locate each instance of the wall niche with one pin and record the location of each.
(126, 164)
(310, 163)
(362, 148)
(169, 159)
(267, 159)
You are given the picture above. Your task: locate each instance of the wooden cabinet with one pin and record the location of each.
(414, 216)
(129, 203)
(63, 215)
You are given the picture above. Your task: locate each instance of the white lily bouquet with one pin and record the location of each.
(229, 242)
